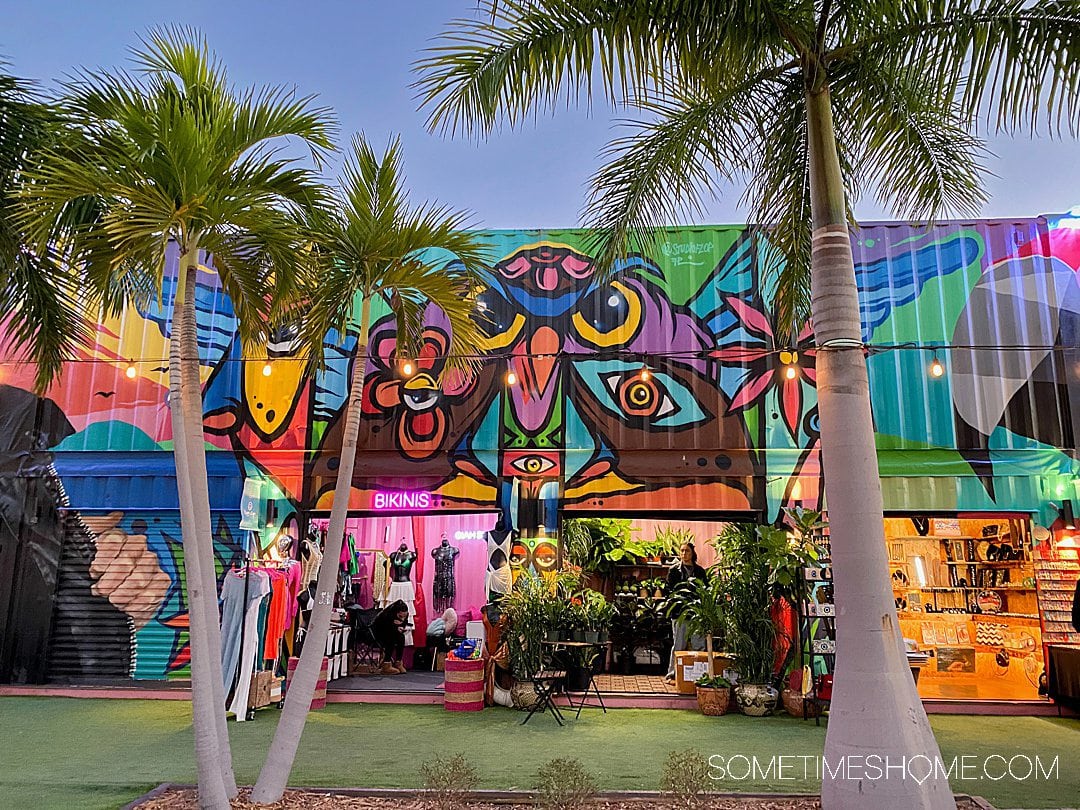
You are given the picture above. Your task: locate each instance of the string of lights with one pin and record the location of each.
(788, 357)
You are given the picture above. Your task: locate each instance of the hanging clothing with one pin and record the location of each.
(406, 592)
(311, 557)
(275, 622)
(259, 584)
(294, 582)
(381, 579)
(233, 615)
(362, 583)
(444, 587)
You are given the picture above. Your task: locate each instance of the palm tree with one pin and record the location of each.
(371, 245)
(173, 155)
(810, 103)
(37, 291)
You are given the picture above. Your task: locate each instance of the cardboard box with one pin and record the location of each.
(691, 665)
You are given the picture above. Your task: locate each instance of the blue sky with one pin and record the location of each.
(357, 57)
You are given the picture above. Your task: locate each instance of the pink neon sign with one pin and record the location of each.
(402, 500)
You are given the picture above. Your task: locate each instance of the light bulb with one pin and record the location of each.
(267, 369)
(936, 368)
(791, 372)
(511, 378)
(130, 371)
(644, 375)
(407, 369)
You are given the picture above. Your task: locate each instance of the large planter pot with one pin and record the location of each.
(795, 704)
(523, 695)
(756, 699)
(577, 679)
(713, 702)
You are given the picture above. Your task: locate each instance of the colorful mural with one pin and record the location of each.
(725, 422)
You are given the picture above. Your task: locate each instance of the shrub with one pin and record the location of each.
(448, 781)
(686, 778)
(563, 784)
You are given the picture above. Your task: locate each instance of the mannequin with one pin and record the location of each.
(444, 588)
(500, 579)
(401, 584)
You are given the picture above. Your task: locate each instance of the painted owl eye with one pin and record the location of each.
(609, 315)
(499, 325)
(661, 401)
(532, 465)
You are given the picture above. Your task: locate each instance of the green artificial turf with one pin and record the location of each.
(102, 753)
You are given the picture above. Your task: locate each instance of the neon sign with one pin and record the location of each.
(469, 535)
(402, 500)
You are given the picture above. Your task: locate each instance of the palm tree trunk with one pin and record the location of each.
(199, 482)
(875, 708)
(274, 775)
(212, 792)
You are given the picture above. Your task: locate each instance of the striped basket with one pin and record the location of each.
(464, 689)
(319, 699)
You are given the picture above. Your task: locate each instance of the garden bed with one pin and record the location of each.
(168, 797)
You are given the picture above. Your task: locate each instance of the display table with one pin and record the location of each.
(1063, 675)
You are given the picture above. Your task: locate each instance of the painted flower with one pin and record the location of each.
(767, 369)
(412, 397)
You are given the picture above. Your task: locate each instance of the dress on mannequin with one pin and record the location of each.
(401, 584)
(500, 579)
(444, 587)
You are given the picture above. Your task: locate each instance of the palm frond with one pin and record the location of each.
(908, 143)
(1015, 61)
(660, 171)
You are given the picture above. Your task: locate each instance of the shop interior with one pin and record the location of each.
(965, 591)
(437, 565)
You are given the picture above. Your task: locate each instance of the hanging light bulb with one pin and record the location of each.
(511, 378)
(790, 361)
(936, 367)
(645, 374)
(130, 371)
(407, 369)
(267, 369)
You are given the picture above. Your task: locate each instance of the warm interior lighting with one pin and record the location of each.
(130, 371)
(511, 378)
(1068, 517)
(920, 571)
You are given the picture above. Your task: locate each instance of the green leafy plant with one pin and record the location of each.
(685, 778)
(669, 539)
(564, 784)
(597, 545)
(596, 611)
(704, 606)
(448, 781)
(756, 566)
(718, 682)
(527, 609)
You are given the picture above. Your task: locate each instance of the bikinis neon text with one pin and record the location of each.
(402, 500)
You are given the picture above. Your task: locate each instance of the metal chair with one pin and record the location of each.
(547, 683)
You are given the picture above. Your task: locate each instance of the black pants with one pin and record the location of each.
(393, 644)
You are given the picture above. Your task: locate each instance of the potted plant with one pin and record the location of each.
(596, 615)
(703, 605)
(757, 565)
(555, 611)
(713, 695)
(625, 634)
(525, 608)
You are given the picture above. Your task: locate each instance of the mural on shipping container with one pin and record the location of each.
(718, 424)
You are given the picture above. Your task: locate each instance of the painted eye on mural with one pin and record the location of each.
(644, 399)
(421, 400)
(609, 315)
(519, 554)
(532, 465)
(499, 324)
(661, 401)
(545, 556)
